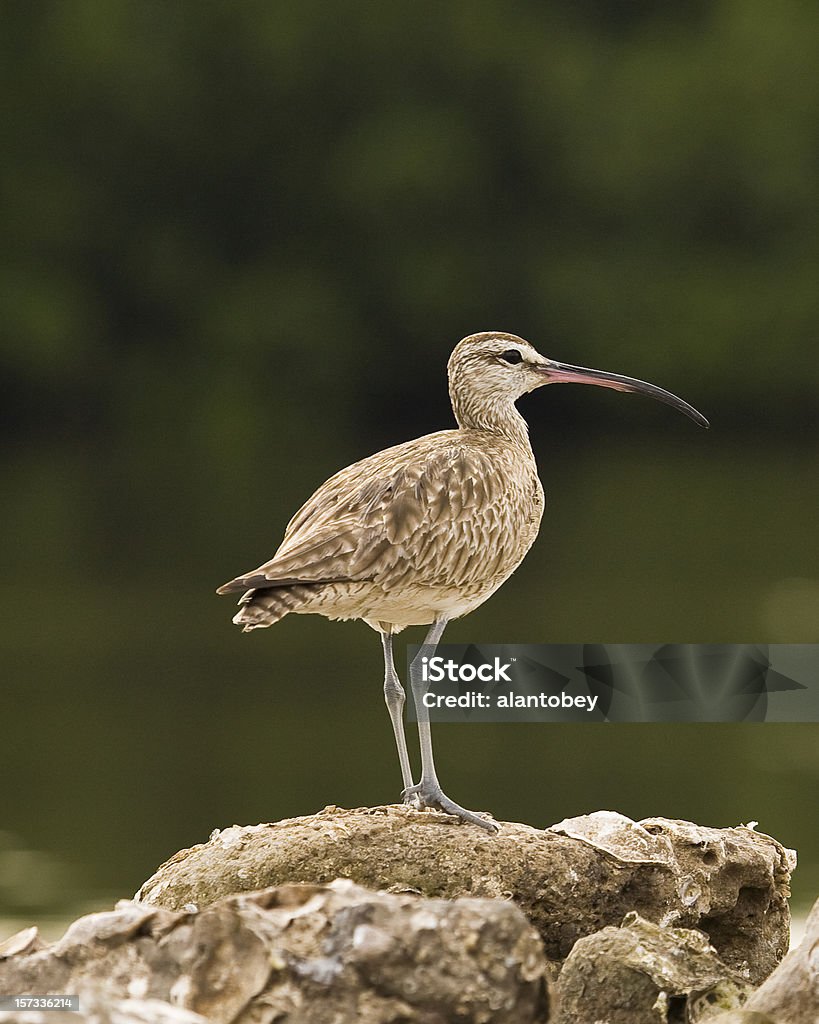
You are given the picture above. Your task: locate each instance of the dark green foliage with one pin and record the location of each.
(206, 201)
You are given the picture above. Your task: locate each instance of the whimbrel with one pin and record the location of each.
(426, 531)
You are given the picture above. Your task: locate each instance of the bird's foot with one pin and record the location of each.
(430, 794)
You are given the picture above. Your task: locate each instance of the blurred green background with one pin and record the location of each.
(239, 242)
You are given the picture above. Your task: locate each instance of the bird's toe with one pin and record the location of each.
(431, 795)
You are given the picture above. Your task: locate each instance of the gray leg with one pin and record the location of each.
(428, 792)
(394, 696)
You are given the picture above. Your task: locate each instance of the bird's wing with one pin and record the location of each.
(391, 517)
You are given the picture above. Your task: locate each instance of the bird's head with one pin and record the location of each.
(494, 365)
(491, 370)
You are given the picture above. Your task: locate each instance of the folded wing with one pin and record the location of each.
(393, 517)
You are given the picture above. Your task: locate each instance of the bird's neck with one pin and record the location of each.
(501, 418)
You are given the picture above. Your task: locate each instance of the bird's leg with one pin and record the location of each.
(394, 696)
(428, 792)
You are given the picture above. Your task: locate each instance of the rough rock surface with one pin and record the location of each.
(642, 973)
(307, 954)
(571, 880)
(791, 994)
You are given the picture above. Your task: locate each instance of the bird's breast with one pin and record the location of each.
(470, 547)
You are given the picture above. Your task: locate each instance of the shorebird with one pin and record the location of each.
(426, 531)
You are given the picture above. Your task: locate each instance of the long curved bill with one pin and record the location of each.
(563, 373)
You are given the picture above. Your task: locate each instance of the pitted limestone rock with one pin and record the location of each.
(572, 880)
(791, 994)
(643, 973)
(308, 954)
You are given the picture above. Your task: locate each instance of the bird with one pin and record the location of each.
(424, 532)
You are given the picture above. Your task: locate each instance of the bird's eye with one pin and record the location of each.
(512, 356)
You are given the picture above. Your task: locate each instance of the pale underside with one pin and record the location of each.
(422, 531)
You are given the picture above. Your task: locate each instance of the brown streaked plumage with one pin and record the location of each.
(424, 532)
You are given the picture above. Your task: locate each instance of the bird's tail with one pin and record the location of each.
(259, 608)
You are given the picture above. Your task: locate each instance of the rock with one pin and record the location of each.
(745, 1017)
(571, 880)
(642, 973)
(310, 954)
(26, 941)
(791, 994)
